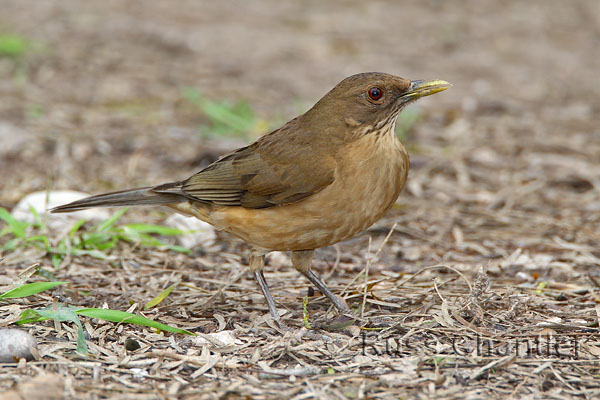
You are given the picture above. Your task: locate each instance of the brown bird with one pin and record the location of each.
(319, 179)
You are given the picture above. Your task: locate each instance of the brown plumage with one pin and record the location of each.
(320, 179)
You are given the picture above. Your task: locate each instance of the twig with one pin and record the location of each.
(496, 364)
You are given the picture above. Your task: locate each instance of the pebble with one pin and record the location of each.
(15, 344)
(197, 232)
(42, 201)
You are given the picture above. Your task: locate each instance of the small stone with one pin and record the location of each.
(196, 232)
(43, 201)
(360, 359)
(226, 338)
(132, 344)
(16, 344)
(279, 259)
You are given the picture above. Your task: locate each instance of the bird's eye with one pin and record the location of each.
(375, 93)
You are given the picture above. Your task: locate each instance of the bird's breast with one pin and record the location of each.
(370, 174)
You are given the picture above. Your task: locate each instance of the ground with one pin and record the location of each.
(487, 285)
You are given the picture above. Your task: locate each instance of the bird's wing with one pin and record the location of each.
(268, 173)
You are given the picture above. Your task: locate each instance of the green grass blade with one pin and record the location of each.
(156, 229)
(76, 227)
(81, 343)
(56, 259)
(106, 225)
(125, 317)
(38, 220)
(224, 116)
(13, 46)
(92, 253)
(58, 312)
(39, 238)
(158, 299)
(144, 239)
(100, 240)
(29, 289)
(17, 227)
(134, 236)
(179, 249)
(30, 316)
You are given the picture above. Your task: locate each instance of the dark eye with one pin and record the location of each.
(375, 93)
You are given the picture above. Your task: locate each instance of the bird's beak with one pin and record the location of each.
(419, 89)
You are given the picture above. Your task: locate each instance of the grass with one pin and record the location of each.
(62, 312)
(13, 46)
(226, 118)
(96, 241)
(16, 48)
(29, 289)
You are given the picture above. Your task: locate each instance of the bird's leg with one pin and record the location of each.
(302, 261)
(257, 263)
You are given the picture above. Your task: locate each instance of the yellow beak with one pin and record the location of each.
(421, 89)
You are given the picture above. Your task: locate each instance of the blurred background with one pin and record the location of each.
(101, 95)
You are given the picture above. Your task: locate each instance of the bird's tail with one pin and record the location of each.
(131, 197)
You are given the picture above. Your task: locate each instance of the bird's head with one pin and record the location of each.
(371, 101)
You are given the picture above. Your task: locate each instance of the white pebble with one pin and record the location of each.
(43, 201)
(15, 344)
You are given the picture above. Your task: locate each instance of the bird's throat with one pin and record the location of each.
(381, 128)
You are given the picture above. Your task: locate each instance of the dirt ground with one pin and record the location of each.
(496, 244)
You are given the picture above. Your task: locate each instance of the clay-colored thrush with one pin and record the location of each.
(319, 179)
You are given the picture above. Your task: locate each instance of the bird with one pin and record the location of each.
(320, 179)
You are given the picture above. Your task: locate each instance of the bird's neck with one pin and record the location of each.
(384, 128)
